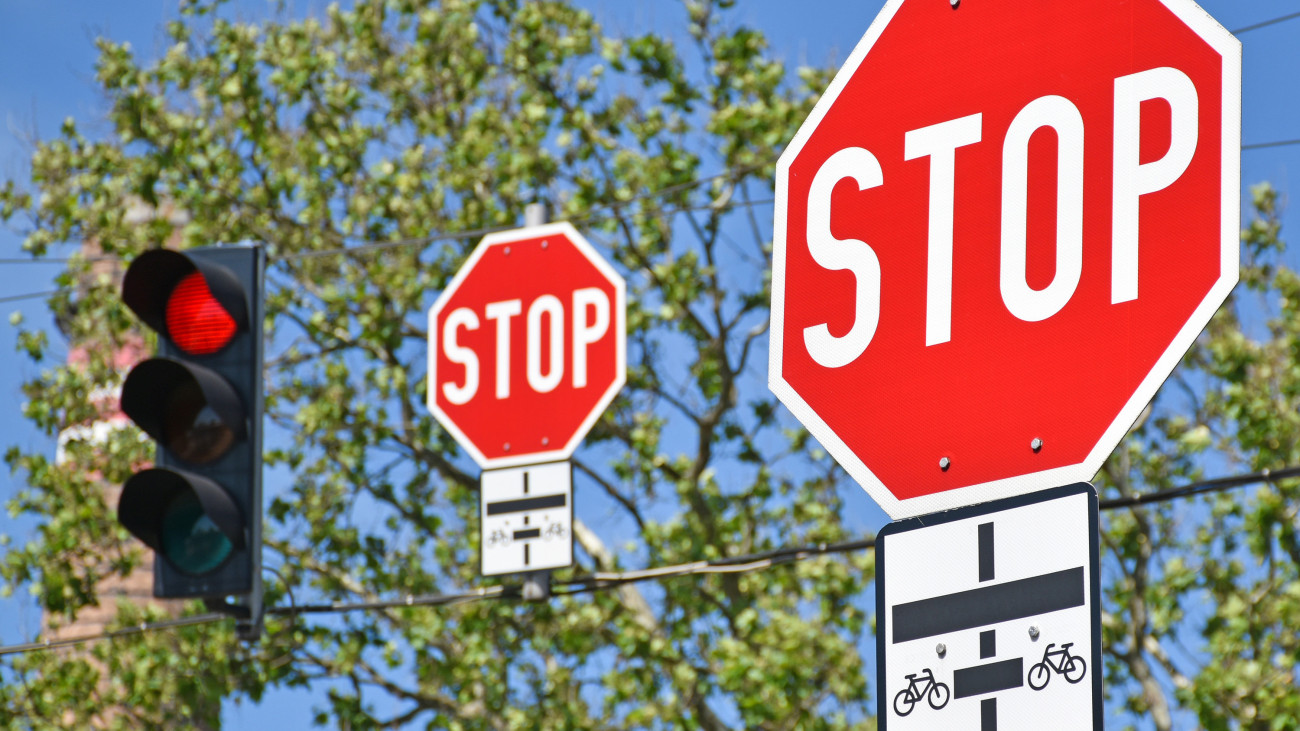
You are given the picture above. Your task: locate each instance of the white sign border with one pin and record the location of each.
(503, 238)
(1229, 48)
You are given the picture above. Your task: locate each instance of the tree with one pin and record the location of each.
(1220, 571)
(353, 144)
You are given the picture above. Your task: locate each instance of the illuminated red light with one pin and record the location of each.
(196, 321)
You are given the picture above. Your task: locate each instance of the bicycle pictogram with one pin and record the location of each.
(927, 687)
(1071, 666)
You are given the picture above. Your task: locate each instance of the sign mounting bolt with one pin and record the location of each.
(944, 463)
(507, 446)
(546, 441)
(954, 3)
(942, 649)
(507, 251)
(1036, 445)
(1033, 632)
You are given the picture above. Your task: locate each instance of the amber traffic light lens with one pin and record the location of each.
(196, 321)
(192, 429)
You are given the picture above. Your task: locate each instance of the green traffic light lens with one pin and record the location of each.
(190, 540)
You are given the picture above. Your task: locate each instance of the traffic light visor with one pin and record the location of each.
(189, 409)
(186, 518)
(198, 305)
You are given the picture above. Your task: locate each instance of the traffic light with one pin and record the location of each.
(200, 398)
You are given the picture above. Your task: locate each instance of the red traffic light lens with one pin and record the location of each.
(196, 321)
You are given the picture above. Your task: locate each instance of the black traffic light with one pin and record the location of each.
(200, 507)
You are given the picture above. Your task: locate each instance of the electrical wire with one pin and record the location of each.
(410, 600)
(29, 295)
(601, 580)
(1199, 488)
(134, 629)
(1265, 145)
(1265, 23)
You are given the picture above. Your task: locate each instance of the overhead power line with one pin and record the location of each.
(602, 580)
(134, 629)
(1266, 23)
(410, 600)
(1218, 484)
(1263, 145)
(30, 295)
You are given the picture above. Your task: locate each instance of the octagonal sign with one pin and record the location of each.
(997, 234)
(527, 346)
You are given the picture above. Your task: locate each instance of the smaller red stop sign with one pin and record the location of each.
(527, 346)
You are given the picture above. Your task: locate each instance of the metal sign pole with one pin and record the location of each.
(537, 584)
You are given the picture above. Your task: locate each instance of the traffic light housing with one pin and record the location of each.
(200, 398)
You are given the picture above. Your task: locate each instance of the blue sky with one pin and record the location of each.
(47, 74)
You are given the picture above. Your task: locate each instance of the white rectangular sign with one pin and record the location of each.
(989, 617)
(527, 518)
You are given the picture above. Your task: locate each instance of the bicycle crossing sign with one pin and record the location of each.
(989, 617)
(527, 518)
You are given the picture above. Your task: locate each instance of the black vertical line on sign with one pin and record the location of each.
(989, 714)
(525, 554)
(988, 644)
(986, 551)
(525, 517)
(988, 639)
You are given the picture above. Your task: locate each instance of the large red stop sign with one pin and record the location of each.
(527, 346)
(996, 235)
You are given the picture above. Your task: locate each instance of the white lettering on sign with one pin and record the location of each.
(835, 254)
(550, 306)
(1022, 300)
(500, 313)
(544, 341)
(1131, 180)
(456, 353)
(939, 142)
(586, 332)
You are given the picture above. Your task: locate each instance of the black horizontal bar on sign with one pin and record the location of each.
(519, 535)
(989, 605)
(524, 505)
(989, 678)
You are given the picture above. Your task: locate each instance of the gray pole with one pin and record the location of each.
(537, 584)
